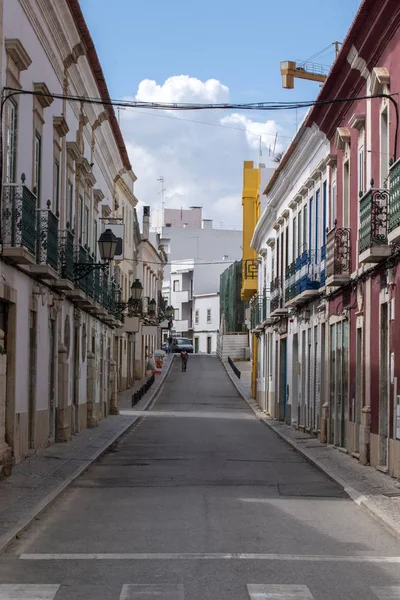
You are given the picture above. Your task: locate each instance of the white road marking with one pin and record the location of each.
(279, 592)
(22, 591)
(387, 592)
(188, 414)
(167, 591)
(213, 556)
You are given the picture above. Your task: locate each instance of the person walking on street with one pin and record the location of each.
(184, 359)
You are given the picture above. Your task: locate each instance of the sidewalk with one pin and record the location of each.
(367, 487)
(42, 477)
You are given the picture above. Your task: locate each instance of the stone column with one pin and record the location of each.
(63, 425)
(113, 396)
(5, 450)
(91, 376)
(365, 433)
(323, 436)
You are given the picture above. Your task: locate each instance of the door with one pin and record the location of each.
(359, 391)
(52, 376)
(196, 345)
(102, 400)
(316, 380)
(209, 345)
(302, 406)
(384, 387)
(295, 378)
(282, 381)
(339, 383)
(32, 378)
(75, 408)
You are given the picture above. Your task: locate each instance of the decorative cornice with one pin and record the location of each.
(276, 226)
(310, 183)
(105, 211)
(357, 121)
(358, 63)
(380, 78)
(298, 198)
(74, 150)
(293, 204)
(98, 196)
(60, 125)
(19, 55)
(342, 137)
(303, 190)
(271, 242)
(331, 161)
(285, 214)
(43, 96)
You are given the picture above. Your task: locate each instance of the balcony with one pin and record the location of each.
(249, 278)
(277, 298)
(181, 326)
(66, 261)
(302, 279)
(394, 203)
(374, 226)
(338, 256)
(181, 297)
(19, 224)
(260, 311)
(47, 252)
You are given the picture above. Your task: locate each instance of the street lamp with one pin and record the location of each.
(169, 311)
(134, 304)
(151, 308)
(107, 247)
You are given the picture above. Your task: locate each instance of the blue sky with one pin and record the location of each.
(238, 44)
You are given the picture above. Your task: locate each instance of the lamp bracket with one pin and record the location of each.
(84, 269)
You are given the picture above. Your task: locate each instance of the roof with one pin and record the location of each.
(97, 71)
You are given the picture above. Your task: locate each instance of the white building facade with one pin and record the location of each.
(286, 315)
(205, 322)
(66, 177)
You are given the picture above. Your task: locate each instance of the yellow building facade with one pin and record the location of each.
(251, 214)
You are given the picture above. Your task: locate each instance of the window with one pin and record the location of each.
(361, 186)
(310, 229)
(208, 315)
(384, 147)
(37, 165)
(304, 229)
(196, 317)
(11, 142)
(316, 223)
(80, 219)
(70, 204)
(176, 314)
(176, 285)
(87, 226)
(294, 233)
(334, 204)
(346, 193)
(56, 187)
(299, 230)
(324, 210)
(95, 239)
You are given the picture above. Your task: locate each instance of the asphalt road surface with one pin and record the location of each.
(201, 501)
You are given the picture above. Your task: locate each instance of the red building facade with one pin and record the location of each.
(362, 398)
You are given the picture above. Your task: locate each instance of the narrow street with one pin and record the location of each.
(201, 501)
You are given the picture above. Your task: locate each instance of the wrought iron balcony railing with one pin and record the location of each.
(338, 255)
(374, 207)
(47, 241)
(18, 219)
(394, 204)
(67, 254)
(276, 295)
(290, 281)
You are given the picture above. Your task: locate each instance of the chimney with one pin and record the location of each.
(146, 222)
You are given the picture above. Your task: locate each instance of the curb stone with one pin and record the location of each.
(356, 496)
(7, 538)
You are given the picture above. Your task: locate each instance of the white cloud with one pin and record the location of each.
(200, 154)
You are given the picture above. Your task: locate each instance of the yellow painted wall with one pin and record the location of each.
(251, 214)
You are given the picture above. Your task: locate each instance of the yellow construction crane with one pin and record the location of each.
(304, 70)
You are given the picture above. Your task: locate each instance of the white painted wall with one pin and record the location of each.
(204, 329)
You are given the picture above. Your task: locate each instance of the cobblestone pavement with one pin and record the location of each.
(375, 491)
(40, 478)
